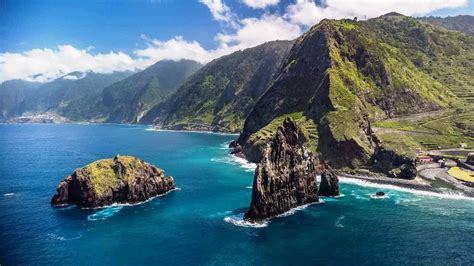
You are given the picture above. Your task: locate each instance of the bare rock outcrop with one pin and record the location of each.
(286, 176)
(329, 186)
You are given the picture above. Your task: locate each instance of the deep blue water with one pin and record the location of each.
(192, 226)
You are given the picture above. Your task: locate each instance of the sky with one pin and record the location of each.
(43, 40)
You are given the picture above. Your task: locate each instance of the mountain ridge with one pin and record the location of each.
(366, 71)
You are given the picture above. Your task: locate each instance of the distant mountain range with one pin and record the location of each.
(459, 23)
(340, 81)
(52, 97)
(127, 100)
(118, 97)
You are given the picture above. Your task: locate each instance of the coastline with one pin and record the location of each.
(152, 128)
(416, 186)
(149, 127)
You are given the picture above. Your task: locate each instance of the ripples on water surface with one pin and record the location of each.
(202, 222)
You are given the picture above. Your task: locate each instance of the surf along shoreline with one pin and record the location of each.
(417, 186)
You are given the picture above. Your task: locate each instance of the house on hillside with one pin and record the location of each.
(421, 159)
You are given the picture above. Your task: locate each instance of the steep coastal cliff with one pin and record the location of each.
(343, 75)
(285, 178)
(123, 179)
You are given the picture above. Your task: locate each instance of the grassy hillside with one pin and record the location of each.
(343, 75)
(462, 23)
(431, 131)
(221, 94)
(127, 100)
(58, 94)
(12, 93)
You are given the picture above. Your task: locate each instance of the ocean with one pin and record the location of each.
(201, 222)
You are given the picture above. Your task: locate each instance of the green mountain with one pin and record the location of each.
(127, 100)
(12, 93)
(221, 94)
(58, 94)
(342, 76)
(462, 23)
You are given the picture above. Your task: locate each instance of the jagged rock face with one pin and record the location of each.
(309, 83)
(341, 75)
(123, 179)
(329, 186)
(393, 164)
(285, 178)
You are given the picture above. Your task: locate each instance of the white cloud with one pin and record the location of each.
(219, 10)
(307, 12)
(373, 8)
(251, 32)
(260, 3)
(175, 49)
(45, 64)
(75, 77)
(254, 31)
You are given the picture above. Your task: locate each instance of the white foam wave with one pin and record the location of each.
(104, 214)
(9, 194)
(61, 238)
(373, 196)
(364, 183)
(191, 131)
(138, 203)
(296, 209)
(234, 160)
(220, 214)
(249, 187)
(224, 146)
(379, 197)
(339, 220)
(238, 220)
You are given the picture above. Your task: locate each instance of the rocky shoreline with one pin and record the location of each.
(417, 184)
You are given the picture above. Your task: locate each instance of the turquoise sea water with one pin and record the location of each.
(196, 225)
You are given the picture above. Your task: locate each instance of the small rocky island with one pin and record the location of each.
(329, 185)
(286, 176)
(123, 179)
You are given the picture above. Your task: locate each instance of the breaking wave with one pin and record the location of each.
(339, 220)
(234, 160)
(104, 214)
(238, 220)
(62, 238)
(364, 183)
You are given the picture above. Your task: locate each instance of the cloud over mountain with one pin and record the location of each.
(237, 33)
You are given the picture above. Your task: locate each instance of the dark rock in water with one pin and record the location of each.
(285, 178)
(380, 194)
(123, 179)
(329, 186)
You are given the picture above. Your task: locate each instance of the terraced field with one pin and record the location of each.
(431, 131)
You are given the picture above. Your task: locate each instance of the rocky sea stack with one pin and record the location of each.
(286, 176)
(123, 179)
(329, 186)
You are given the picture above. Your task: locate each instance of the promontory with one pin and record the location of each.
(122, 180)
